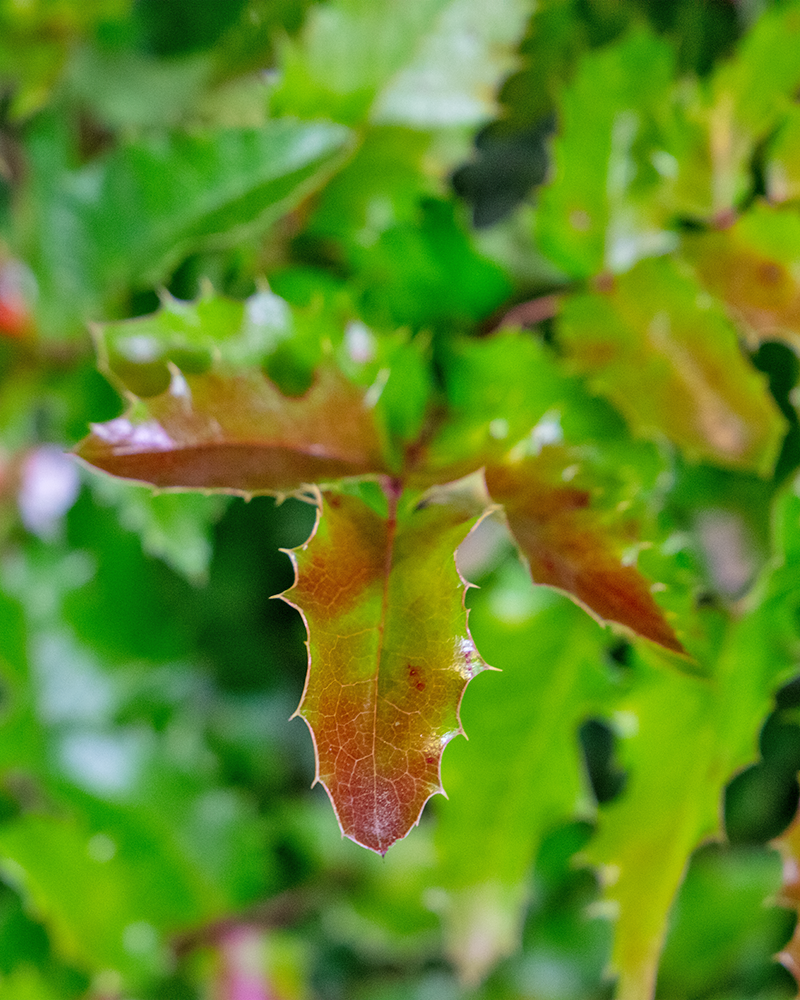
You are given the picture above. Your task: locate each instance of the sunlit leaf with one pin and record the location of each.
(211, 418)
(670, 361)
(572, 547)
(781, 172)
(749, 96)
(382, 694)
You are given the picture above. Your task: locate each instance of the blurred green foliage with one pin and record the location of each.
(618, 177)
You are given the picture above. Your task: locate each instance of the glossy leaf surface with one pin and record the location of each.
(566, 544)
(389, 656)
(212, 419)
(671, 363)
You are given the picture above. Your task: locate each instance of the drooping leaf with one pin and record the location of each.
(389, 656)
(131, 215)
(206, 416)
(669, 360)
(520, 775)
(752, 267)
(567, 545)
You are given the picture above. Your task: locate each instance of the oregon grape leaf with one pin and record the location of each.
(567, 545)
(205, 414)
(390, 654)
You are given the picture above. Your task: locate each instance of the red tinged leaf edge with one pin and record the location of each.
(236, 432)
(553, 528)
(374, 807)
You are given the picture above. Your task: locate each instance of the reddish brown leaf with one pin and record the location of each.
(389, 657)
(235, 430)
(567, 546)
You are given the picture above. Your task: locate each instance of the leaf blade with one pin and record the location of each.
(205, 415)
(567, 546)
(394, 692)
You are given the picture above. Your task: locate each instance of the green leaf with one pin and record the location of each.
(718, 917)
(682, 738)
(119, 85)
(601, 209)
(669, 360)
(174, 528)
(211, 419)
(133, 214)
(457, 67)
(381, 697)
(782, 176)
(497, 388)
(520, 775)
(569, 545)
(750, 95)
(422, 63)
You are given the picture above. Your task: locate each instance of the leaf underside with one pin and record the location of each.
(390, 654)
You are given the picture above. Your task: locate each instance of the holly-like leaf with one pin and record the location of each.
(205, 415)
(749, 96)
(599, 211)
(669, 360)
(568, 544)
(390, 654)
